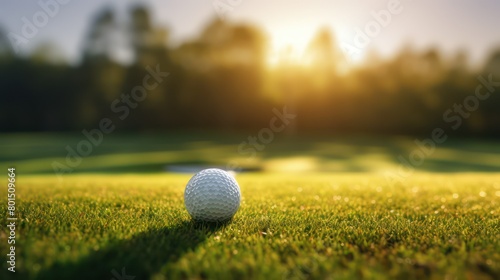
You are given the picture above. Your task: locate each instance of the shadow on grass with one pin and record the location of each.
(137, 258)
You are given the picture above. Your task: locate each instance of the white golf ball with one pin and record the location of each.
(212, 195)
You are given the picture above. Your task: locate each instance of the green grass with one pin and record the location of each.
(314, 226)
(150, 153)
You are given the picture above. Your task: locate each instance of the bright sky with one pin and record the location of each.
(449, 24)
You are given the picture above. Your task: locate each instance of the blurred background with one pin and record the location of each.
(363, 81)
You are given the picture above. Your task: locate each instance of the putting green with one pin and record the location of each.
(316, 226)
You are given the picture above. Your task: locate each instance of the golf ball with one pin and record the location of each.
(212, 195)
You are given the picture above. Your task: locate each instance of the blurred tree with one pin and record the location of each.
(323, 54)
(223, 74)
(148, 42)
(490, 107)
(5, 46)
(149, 45)
(318, 87)
(460, 63)
(493, 64)
(47, 52)
(101, 41)
(100, 75)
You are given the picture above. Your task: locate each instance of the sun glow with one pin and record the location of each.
(288, 45)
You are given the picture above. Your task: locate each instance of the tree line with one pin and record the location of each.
(222, 80)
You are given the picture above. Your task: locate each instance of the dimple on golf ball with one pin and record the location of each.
(212, 195)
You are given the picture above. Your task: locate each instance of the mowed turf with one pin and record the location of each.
(314, 226)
